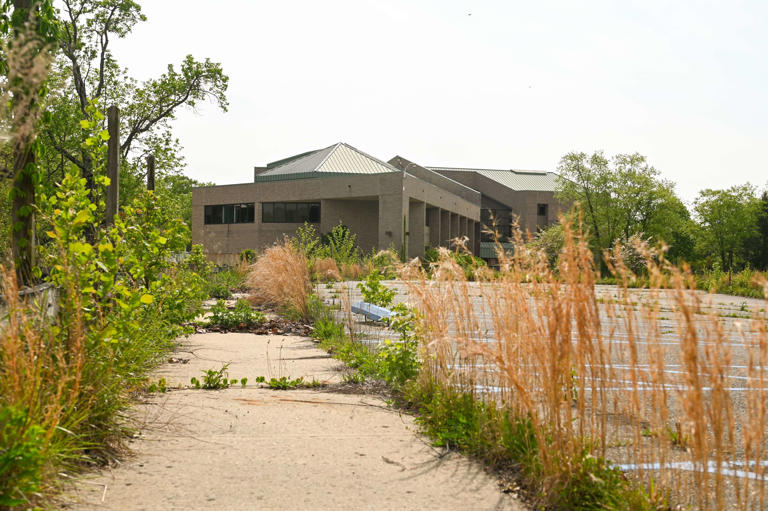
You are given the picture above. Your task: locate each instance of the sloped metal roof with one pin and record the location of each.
(339, 158)
(521, 180)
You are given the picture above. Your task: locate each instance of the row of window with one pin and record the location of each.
(271, 212)
(300, 212)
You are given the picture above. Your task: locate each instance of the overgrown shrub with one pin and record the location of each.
(469, 264)
(221, 284)
(375, 292)
(386, 262)
(122, 300)
(341, 246)
(280, 278)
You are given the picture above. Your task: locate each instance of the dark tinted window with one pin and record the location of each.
(229, 214)
(290, 212)
(267, 212)
(243, 213)
(314, 212)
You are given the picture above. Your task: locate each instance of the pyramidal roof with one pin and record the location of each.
(339, 158)
(521, 180)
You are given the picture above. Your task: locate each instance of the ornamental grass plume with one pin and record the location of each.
(280, 278)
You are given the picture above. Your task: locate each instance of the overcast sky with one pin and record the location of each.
(496, 84)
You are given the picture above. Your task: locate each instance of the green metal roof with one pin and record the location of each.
(339, 158)
(521, 180)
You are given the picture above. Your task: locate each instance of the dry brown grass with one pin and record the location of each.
(638, 377)
(280, 278)
(352, 271)
(36, 374)
(326, 270)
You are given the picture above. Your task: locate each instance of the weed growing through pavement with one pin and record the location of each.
(241, 317)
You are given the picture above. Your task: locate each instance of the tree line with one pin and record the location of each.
(624, 196)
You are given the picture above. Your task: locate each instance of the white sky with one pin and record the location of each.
(498, 84)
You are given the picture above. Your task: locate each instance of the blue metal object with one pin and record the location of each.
(371, 311)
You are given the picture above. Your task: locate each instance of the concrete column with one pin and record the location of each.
(454, 227)
(445, 227)
(471, 236)
(463, 227)
(391, 215)
(434, 226)
(417, 218)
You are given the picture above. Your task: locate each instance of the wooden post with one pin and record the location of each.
(151, 172)
(113, 163)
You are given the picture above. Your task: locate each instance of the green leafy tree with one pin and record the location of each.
(86, 71)
(756, 246)
(621, 197)
(728, 219)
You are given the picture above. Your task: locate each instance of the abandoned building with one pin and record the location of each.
(397, 204)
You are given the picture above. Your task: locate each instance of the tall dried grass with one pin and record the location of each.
(36, 373)
(661, 382)
(280, 278)
(352, 271)
(325, 269)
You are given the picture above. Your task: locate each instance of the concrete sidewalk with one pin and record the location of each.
(254, 448)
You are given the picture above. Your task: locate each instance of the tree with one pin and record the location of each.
(756, 246)
(87, 72)
(622, 197)
(29, 27)
(728, 220)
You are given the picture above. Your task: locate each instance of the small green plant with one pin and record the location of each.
(397, 363)
(213, 379)
(243, 316)
(649, 433)
(285, 383)
(260, 379)
(161, 386)
(328, 329)
(243, 382)
(222, 283)
(677, 437)
(375, 292)
(248, 256)
(355, 377)
(21, 457)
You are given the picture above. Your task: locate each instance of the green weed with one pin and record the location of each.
(285, 383)
(213, 379)
(160, 386)
(243, 316)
